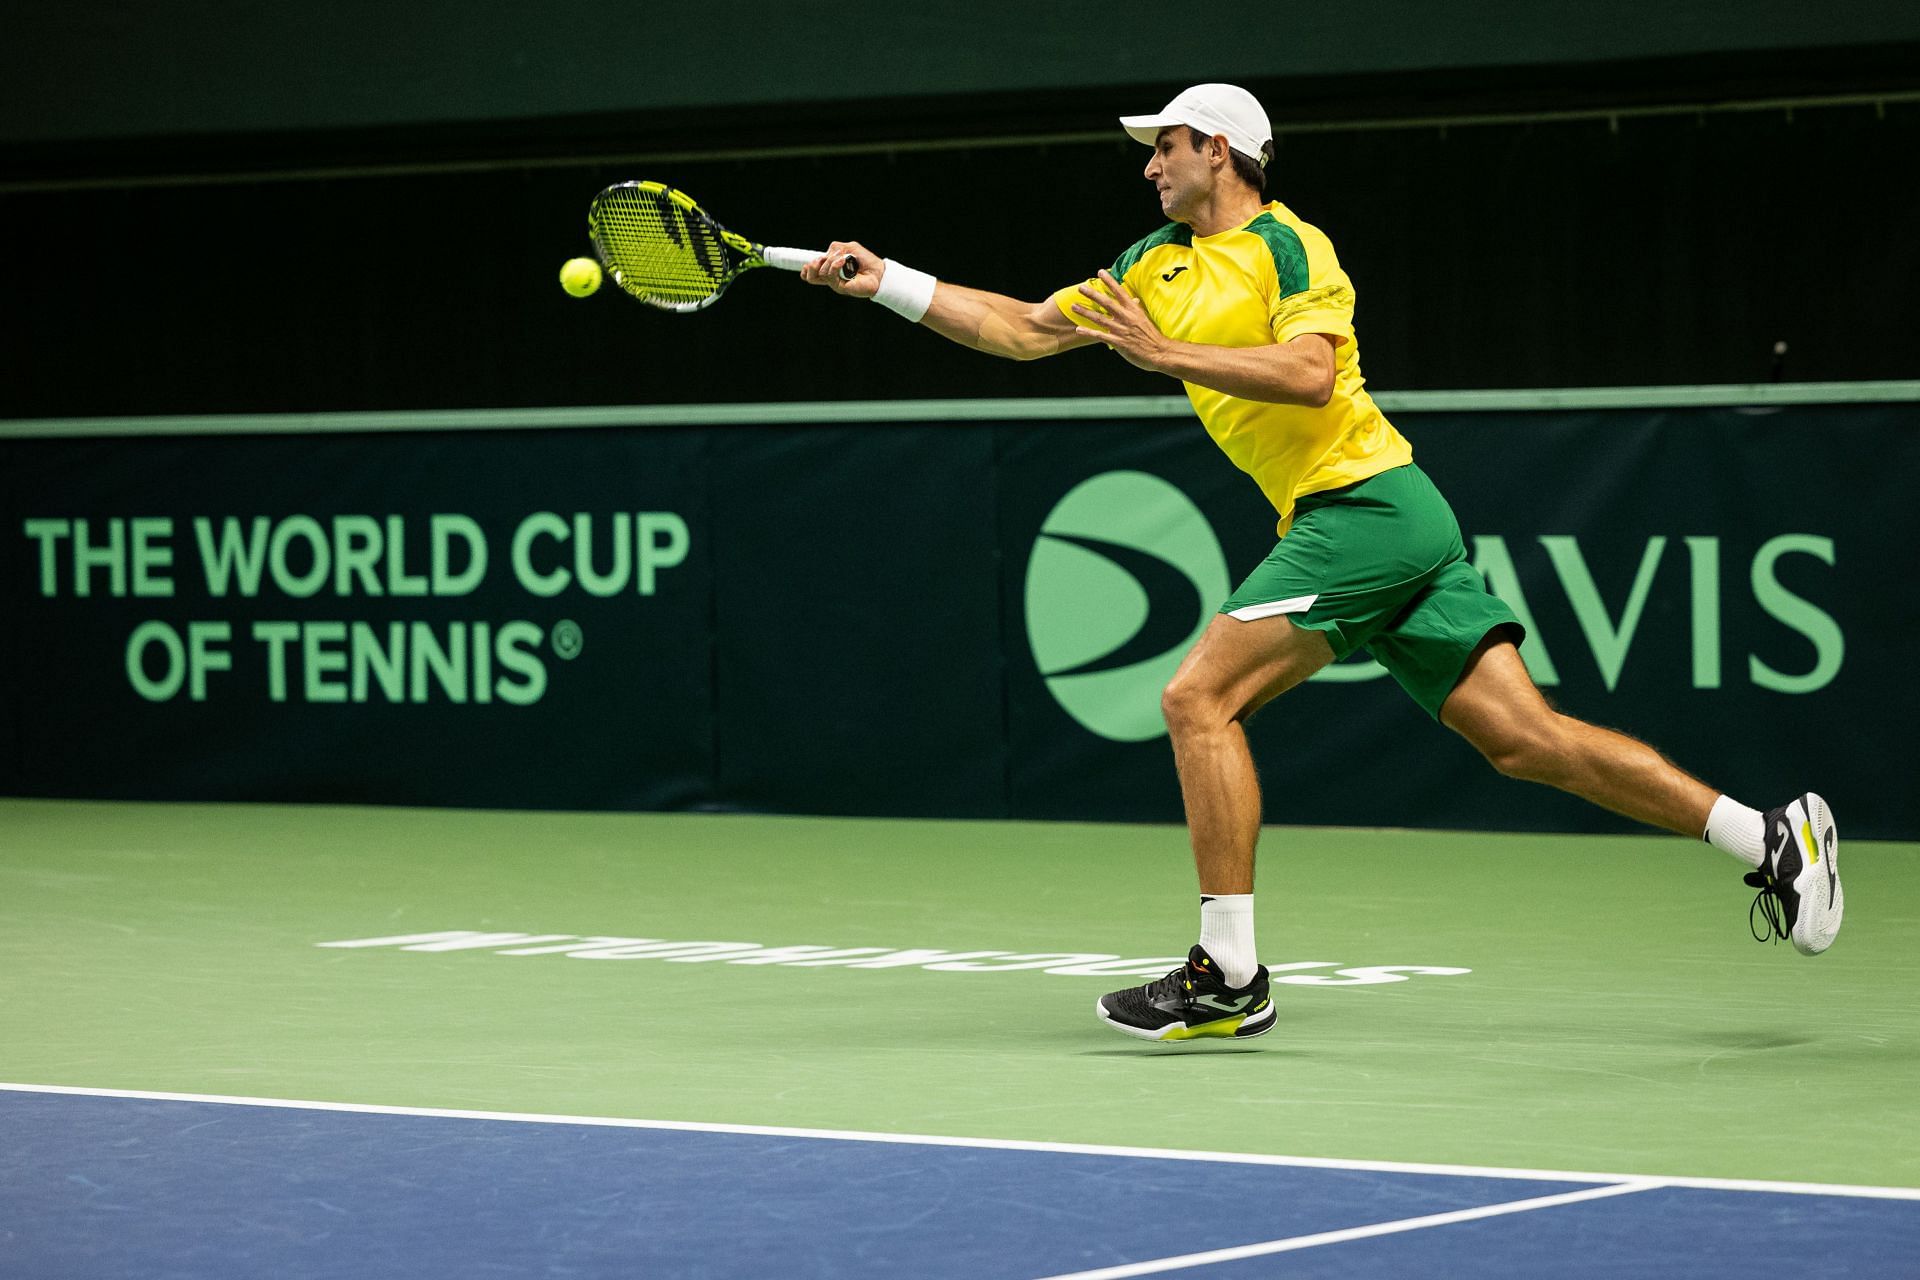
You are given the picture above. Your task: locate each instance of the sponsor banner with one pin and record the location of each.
(386, 618)
(941, 619)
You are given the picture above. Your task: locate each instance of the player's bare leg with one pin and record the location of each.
(1496, 707)
(1793, 849)
(1232, 671)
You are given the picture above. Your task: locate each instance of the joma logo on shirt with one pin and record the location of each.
(1171, 274)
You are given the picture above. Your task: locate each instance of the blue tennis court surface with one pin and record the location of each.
(99, 1185)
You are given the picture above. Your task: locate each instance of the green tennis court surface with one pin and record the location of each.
(1613, 1014)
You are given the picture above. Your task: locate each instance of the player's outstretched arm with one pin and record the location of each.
(989, 322)
(999, 325)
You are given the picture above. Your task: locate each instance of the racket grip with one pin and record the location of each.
(794, 259)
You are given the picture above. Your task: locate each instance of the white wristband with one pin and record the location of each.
(905, 291)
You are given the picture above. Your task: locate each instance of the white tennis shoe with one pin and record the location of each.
(1799, 878)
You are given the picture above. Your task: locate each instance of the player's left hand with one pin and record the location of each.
(1116, 318)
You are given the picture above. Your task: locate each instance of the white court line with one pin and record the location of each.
(998, 1144)
(1288, 1245)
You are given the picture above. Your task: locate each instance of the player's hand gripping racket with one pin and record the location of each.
(662, 248)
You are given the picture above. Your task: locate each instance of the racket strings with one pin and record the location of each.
(657, 250)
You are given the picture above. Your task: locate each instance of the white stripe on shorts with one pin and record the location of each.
(1299, 604)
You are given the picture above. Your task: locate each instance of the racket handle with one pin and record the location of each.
(794, 259)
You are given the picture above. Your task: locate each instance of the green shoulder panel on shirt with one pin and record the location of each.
(1173, 233)
(1289, 255)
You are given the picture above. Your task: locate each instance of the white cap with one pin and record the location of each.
(1212, 108)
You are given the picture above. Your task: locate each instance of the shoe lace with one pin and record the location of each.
(1174, 984)
(1768, 904)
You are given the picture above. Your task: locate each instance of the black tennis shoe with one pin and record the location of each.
(1192, 1002)
(1799, 879)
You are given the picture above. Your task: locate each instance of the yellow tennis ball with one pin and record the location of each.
(580, 276)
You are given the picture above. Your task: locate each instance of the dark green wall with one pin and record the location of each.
(1675, 250)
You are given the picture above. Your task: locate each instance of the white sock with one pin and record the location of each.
(1226, 931)
(1737, 829)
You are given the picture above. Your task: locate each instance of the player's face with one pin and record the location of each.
(1180, 174)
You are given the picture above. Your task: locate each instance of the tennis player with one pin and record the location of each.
(1246, 304)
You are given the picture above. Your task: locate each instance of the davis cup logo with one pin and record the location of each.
(1124, 576)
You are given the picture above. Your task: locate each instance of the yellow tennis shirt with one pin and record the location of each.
(1271, 280)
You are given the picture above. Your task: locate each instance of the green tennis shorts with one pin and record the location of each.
(1381, 565)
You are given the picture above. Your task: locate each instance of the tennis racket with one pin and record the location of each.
(665, 250)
